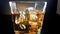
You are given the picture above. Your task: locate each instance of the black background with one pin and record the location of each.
(49, 26)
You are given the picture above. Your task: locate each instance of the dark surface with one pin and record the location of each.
(6, 26)
(49, 26)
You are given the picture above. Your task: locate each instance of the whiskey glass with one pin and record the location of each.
(27, 16)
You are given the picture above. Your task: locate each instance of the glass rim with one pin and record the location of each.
(28, 1)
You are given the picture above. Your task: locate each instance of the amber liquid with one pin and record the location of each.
(18, 24)
(31, 25)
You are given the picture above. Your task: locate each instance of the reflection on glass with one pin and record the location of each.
(27, 17)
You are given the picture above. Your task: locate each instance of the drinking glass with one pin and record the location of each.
(27, 16)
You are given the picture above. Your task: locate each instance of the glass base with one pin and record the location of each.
(18, 32)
